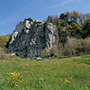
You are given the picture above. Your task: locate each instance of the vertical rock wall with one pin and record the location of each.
(30, 38)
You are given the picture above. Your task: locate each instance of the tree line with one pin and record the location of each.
(75, 24)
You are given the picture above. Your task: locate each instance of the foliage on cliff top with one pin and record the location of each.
(73, 22)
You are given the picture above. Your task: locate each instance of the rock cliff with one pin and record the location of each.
(31, 37)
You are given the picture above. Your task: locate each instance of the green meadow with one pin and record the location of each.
(47, 74)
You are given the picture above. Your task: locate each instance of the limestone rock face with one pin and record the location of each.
(30, 38)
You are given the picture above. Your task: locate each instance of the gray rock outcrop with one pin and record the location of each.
(30, 38)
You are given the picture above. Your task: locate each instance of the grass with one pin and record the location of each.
(48, 74)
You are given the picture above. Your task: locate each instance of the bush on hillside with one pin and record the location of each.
(73, 47)
(49, 52)
(53, 51)
(87, 45)
(3, 54)
(76, 47)
(44, 52)
(70, 47)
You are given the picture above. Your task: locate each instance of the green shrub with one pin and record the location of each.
(49, 52)
(3, 54)
(53, 51)
(44, 52)
(30, 19)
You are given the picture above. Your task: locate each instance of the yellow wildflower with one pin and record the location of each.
(16, 85)
(71, 78)
(66, 81)
(41, 79)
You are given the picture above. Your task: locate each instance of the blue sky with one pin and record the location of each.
(14, 11)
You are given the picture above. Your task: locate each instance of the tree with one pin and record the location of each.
(64, 17)
(53, 19)
(86, 28)
(74, 28)
(49, 19)
(75, 16)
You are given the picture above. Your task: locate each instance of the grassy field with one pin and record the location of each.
(48, 74)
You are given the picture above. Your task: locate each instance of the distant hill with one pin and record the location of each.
(4, 39)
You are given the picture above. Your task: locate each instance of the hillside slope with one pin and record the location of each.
(49, 74)
(3, 40)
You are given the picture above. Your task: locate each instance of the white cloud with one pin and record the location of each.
(60, 4)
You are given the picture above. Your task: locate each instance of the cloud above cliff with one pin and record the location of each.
(61, 4)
